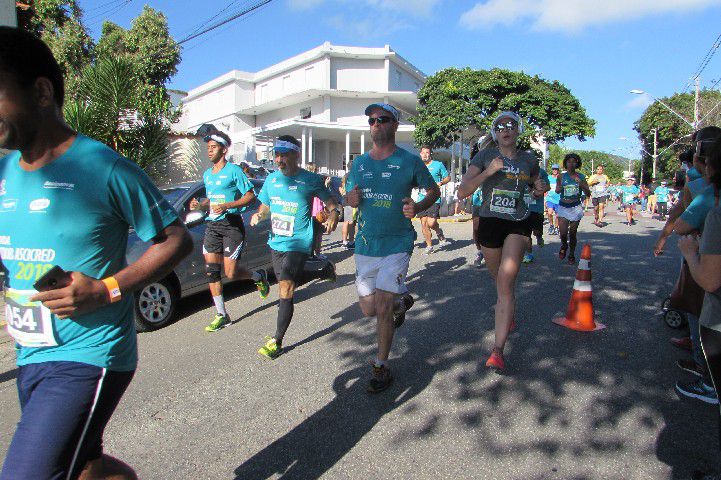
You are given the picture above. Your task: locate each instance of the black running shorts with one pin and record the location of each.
(225, 236)
(599, 200)
(492, 231)
(434, 211)
(288, 265)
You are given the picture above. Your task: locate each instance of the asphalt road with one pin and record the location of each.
(570, 405)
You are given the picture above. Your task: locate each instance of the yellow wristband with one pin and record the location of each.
(113, 289)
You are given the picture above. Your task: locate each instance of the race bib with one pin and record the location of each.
(600, 188)
(282, 224)
(627, 197)
(29, 323)
(215, 200)
(570, 191)
(504, 201)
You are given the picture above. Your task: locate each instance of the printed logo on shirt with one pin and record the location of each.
(2, 187)
(397, 167)
(39, 205)
(292, 187)
(61, 185)
(386, 175)
(368, 175)
(9, 205)
(218, 182)
(4, 240)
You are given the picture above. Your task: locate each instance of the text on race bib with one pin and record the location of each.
(29, 323)
(570, 190)
(282, 224)
(600, 188)
(504, 201)
(215, 200)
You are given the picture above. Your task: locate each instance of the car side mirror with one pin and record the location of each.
(194, 218)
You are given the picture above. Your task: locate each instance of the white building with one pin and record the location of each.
(318, 96)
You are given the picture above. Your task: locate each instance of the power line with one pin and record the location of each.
(704, 62)
(215, 34)
(227, 20)
(206, 22)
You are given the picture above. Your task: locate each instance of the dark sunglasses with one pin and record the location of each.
(381, 120)
(510, 125)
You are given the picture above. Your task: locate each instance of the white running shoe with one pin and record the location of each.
(443, 243)
(428, 251)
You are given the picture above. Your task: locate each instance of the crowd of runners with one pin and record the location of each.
(73, 373)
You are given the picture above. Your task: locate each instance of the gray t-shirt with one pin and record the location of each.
(504, 191)
(710, 244)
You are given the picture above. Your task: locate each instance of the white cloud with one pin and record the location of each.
(572, 15)
(640, 101)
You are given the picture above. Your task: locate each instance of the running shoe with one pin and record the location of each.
(428, 251)
(684, 343)
(539, 241)
(496, 360)
(262, 284)
(698, 390)
(271, 349)
(330, 274)
(550, 230)
(400, 316)
(381, 379)
(527, 258)
(479, 260)
(562, 253)
(219, 321)
(443, 242)
(691, 367)
(350, 245)
(571, 259)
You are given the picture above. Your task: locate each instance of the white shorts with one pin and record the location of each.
(383, 273)
(572, 214)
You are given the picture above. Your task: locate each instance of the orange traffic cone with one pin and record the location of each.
(579, 315)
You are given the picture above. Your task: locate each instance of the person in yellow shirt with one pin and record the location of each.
(599, 184)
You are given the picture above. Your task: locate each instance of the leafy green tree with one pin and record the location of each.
(454, 100)
(674, 135)
(105, 110)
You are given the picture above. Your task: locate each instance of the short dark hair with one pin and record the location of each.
(686, 156)
(425, 146)
(289, 138)
(222, 135)
(707, 136)
(27, 58)
(572, 155)
(713, 159)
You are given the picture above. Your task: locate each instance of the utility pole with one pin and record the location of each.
(655, 154)
(696, 105)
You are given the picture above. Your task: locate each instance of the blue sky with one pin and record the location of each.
(598, 49)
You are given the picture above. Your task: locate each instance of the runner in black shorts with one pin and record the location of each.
(228, 191)
(506, 175)
(429, 217)
(75, 341)
(287, 196)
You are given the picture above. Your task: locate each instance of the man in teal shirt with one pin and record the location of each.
(429, 217)
(379, 185)
(662, 200)
(69, 201)
(287, 196)
(228, 191)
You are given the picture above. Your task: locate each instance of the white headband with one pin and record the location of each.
(282, 144)
(218, 138)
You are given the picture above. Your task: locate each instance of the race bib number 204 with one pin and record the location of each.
(504, 201)
(29, 323)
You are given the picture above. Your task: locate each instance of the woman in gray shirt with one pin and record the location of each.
(506, 176)
(704, 261)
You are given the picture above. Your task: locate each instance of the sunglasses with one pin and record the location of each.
(380, 120)
(510, 125)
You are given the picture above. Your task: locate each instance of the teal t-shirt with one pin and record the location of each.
(552, 196)
(661, 194)
(290, 200)
(570, 190)
(697, 186)
(629, 193)
(228, 185)
(536, 204)
(438, 172)
(74, 213)
(693, 174)
(382, 228)
(695, 213)
(477, 198)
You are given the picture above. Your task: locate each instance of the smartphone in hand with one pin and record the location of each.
(53, 279)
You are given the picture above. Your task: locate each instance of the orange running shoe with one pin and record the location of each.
(496, 360)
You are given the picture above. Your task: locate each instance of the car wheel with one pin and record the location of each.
(674, 318)
(155, 305)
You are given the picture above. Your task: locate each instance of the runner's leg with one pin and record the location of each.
(426, 231)
(436, 227)
(572, 233)
(507, 273)
(563, 227)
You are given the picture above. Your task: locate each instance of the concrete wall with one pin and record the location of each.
(353, 74)
(293, 111)
(8, 17)
(349, 111)
(304, 77)
(401, 79)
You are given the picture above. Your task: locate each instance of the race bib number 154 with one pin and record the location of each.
(29, 323)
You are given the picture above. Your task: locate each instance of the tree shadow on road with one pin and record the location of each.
(571, 405)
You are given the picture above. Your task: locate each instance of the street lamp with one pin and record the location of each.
(655, 154)
(636, 91)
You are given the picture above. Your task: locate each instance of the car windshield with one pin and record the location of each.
(173, 194)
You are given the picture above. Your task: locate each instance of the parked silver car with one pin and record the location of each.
(155, 304)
